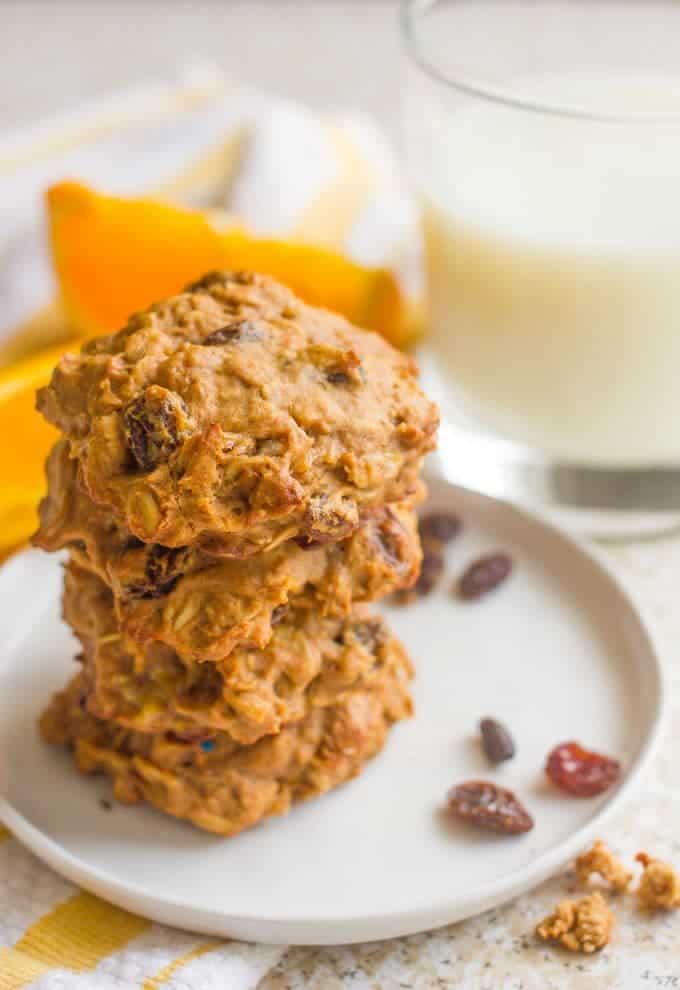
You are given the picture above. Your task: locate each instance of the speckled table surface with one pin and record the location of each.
(497, 950)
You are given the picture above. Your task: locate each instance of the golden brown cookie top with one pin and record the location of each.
(236, 416)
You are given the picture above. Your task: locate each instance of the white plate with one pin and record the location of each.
(559, 652)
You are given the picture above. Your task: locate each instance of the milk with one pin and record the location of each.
(553, 253)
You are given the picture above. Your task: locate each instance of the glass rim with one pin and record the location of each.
(411, 12)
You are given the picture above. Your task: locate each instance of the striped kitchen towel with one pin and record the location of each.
(55, 937)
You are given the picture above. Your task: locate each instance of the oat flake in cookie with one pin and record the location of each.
(234, 416)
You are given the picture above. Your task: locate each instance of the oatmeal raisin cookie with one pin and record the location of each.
(310, 662)
(217, 784)
(203, 606)
(234, 417)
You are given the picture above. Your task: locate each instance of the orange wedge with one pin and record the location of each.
(114, 256)
(26, 440)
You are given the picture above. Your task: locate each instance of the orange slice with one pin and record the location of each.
(114, 256)
(26, 440)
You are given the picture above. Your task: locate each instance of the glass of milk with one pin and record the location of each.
(544, 142)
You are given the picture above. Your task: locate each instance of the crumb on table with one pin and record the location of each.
(579, 926)
(659, 884)
(600, 859)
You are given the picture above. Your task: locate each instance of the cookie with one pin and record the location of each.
(309, 662)
(233, 417)
(203, 607)
(219, 785)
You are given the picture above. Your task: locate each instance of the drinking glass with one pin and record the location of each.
(543, 139)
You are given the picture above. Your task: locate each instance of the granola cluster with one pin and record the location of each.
(659, 884)
(586, 925)
(580, 926)
(601, 860)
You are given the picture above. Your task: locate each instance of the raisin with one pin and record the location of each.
(133, 543)
(431, 569)
(136, 592)
(155, 424)
(497, 741)
(327, 521)
(353, 374)
(339, 366)
(439, 526)
(192, 736)
(488, 806)
(164, 566)
(370, 633)
(580, 771)
(207, 689)
(233, 332)
(389, 537)
(162, 570)
(338, 378)
(164, 563)
(279, 614)
(483, 575)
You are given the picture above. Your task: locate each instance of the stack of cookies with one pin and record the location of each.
(237, 477)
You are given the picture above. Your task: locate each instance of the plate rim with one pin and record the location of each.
(402, 921)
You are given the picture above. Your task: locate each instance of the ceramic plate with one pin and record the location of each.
(558, 652)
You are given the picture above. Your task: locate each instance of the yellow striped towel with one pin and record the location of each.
(54, 937)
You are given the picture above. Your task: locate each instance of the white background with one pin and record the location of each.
(55, 53)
